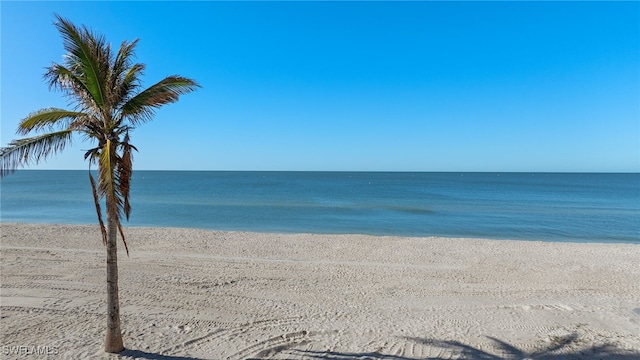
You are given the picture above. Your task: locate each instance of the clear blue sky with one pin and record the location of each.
(382, 86)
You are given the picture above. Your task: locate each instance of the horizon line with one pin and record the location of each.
(372, 171)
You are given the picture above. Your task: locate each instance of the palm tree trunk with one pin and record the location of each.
(113, 342)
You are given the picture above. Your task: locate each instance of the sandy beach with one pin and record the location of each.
(195, 294)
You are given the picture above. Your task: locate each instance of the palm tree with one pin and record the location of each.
(105, 88)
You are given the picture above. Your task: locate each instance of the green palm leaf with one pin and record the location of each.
(141, 107)
(88, 57)
(124, 77)
(60, 77)
(22, 152)
(47, 119)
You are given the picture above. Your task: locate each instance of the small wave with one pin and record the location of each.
(410, 210)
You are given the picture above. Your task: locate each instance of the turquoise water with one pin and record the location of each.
(529, 206)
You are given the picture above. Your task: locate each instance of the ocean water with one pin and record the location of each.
(526, 206)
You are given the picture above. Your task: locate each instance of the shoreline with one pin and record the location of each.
(206, 294)
(558, 240)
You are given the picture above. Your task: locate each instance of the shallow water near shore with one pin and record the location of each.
(522, 206)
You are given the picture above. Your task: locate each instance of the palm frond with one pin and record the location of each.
(92, 154)
(123, 59)
(113, 174)
(90, 127)
(106, 182)
(141, 107)
(124, 77)
(124, 171)
(96, 201)
(86, 57)
(47, 119)
(73, 85)
(25, 151)
(124, 241)
(128, 84)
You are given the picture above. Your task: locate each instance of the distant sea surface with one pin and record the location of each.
(523, 206)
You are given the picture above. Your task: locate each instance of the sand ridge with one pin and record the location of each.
(196, 294)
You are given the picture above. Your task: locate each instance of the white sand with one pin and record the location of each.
(229, 295)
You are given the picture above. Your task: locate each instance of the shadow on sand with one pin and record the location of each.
(139, 354)
(458, 350)
(558, 349)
